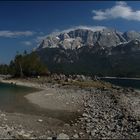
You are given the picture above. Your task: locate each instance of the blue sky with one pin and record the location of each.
(23, 24)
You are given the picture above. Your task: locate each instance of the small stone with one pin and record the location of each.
(22, 134)
(48, 131)
(31, 132)
(81, 133)
(49, 138)
(85, 115)
(71, 121)
(87, 131)
(78, 110)
(20, 126)
(63, 136)
(75, 136)
(75, 124)
(3, 115)
(26, 135)
(66, 124)
(88, 120)
(42, 137)
(93, 133)
(5, 119)
(73, 97)
(39, 120)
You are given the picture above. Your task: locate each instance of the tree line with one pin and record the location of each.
(25, 65)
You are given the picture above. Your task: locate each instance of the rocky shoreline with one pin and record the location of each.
(106, 116)
(105, 111)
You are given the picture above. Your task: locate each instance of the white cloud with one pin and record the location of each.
(93, 28)
(27, 43)
(120, 10)
(13, 34)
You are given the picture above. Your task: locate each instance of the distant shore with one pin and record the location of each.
(127, 78)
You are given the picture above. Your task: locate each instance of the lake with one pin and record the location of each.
(133, 83)
(12, 98)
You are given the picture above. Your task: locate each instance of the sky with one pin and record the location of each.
(24, 24)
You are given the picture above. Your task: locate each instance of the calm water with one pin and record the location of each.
(124, 82)
(12, 97)
(12, 100)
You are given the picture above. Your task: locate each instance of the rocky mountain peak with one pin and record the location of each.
(77, 38)
(130, 35)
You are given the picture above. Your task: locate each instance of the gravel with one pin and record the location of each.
(106, 116)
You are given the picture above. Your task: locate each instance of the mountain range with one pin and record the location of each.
(105, 52)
